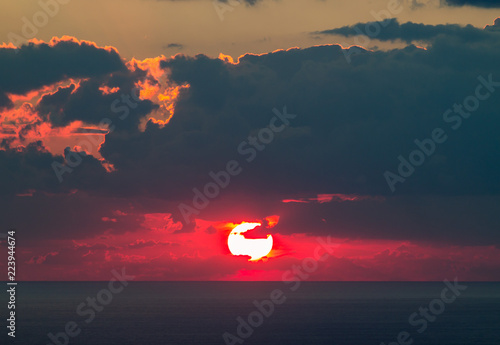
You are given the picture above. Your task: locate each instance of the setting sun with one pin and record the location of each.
(255, 248)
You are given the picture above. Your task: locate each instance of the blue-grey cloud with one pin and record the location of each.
(33, 66)
(173, 46)
(474, 3)
(391, 30)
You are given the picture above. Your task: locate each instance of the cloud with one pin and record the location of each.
(37, 64)
(66, 84)
(353, 121)
(86, 102)
(391, 30)
(90, 130)
(424, 219)
(138, 244)
(322, 198)
(40, 259)
(331, 141)
(173, 46)
(495, 26)
(246, 2)
(474, 3)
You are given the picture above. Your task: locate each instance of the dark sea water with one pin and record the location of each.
(183, 313)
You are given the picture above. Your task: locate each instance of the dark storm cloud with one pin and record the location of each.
(89, 104)
(391, 29)
(30, 168)
(26, 169)
(353, 121)
(465, 220)
(474, 3)
(35, 65)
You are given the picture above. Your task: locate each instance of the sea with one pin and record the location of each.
(263, 313)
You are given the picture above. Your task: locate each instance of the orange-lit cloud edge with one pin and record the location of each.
(156, 88)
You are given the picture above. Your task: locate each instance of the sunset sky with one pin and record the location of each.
(138, 134)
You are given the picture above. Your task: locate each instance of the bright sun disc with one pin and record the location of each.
(256, 248)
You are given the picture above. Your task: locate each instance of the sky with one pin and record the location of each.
(363, 136)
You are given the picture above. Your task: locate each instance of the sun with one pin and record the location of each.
(255, 248)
